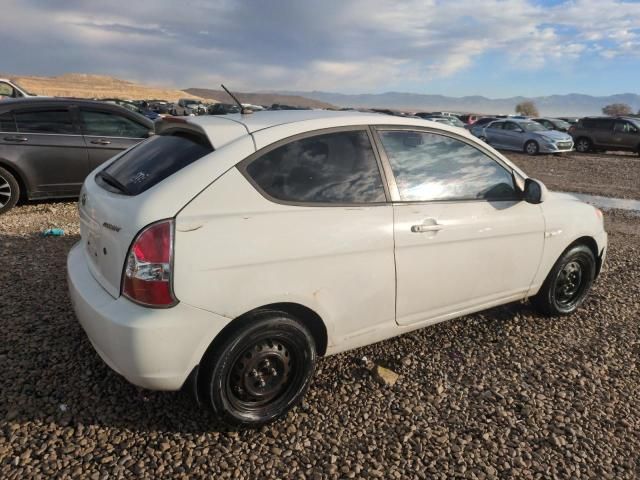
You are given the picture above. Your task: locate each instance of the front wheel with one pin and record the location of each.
(260, 371)
(583, 145)
(568, 283)
(531, 147)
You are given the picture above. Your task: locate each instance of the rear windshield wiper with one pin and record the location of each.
(113, 181)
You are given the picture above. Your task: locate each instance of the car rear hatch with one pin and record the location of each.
(118, 200)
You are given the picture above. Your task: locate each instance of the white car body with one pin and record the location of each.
(17, 91)
(360, 269)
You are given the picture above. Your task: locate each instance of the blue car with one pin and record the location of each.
(524, 136)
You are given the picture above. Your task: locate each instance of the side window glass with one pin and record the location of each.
(6, 91)
(107, 124)
(429, 166)
(496, 125)
(7, 123)
(331, 168)
(45, 121)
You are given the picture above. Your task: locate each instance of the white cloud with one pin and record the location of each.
(334, 44)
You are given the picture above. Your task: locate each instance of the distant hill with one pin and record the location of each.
(260, 98)
(554, 105)
(83, 85)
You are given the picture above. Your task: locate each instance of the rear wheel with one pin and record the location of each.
(9, 191)
(583, 145)
(568, 283)
(260, 371)
(531, 147)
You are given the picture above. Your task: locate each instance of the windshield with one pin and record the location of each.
(532, 127)
(562, 124)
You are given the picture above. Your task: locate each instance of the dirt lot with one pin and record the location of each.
(606, 174)
(502, 394)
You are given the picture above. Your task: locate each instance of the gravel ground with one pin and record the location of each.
(502, 394)
(606, 174)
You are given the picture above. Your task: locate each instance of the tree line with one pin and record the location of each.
(529, 109)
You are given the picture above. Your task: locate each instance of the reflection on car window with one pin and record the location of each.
(106, 124)
(428, 167)
(331, 168)
(496, 125)
(45, 121)
(532, 127)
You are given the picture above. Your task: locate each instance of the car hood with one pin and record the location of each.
(554, 135)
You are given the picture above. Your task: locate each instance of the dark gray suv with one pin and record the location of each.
(49, 145)
(606, 133)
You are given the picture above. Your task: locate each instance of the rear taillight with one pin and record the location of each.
(572, 129)
(147, 271)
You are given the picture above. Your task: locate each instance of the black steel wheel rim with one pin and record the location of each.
(263, 375)
(570, 283)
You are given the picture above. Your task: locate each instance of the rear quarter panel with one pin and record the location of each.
(236, 251)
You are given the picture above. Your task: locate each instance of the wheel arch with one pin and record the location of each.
(593, 246)
(19, 176)
(302, 313)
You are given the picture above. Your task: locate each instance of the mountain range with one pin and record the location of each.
(573, 104)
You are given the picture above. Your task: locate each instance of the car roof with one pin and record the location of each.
(315, 118)
(12, 103)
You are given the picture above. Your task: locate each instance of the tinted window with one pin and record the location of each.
(152, 161)
(45, 121)
(597, 123)
(624, 127)
(106, 124)
(428, 166)
(496, 125)
(511, 126)
(7, 124)
(332, 168)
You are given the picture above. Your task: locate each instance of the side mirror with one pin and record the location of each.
(534, 191)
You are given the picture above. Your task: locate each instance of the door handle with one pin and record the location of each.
(101, 141)
(426, 228)
(16, 139)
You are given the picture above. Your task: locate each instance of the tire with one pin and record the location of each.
(260, 371)
(583, 145)
(531, 147)
(9, 191)
(568, 282)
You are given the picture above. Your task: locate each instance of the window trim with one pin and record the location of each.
(395, 192)
(243, 164)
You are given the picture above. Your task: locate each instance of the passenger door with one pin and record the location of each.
(494, 134)
(464, 240)
(603, 132)
(626, 135)
(513, 136)
(49, 149)
(107, 133)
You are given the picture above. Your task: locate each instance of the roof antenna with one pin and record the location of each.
(243, 110)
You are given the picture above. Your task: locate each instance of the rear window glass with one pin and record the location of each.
(598, 123)
(152, 161)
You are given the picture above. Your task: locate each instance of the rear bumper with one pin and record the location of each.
(152, 348)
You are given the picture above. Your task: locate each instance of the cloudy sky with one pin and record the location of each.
(496, 48)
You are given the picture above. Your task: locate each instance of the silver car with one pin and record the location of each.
(524, 136)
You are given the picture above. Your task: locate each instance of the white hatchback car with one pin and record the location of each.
(227, 253)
